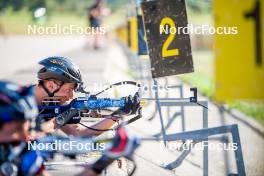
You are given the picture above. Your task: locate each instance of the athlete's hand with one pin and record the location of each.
(132, 104)
(70, 116)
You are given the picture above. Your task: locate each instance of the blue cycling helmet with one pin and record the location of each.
(16, 103)
(61, 69)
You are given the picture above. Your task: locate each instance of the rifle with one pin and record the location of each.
(90, 103)
(83, 105)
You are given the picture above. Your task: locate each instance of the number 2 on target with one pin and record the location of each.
(165, 51)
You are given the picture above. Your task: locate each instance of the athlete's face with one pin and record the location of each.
(15, 131)
(66, 92)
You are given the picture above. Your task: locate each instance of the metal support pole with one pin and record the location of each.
(238, 152)
(205, 151)
(182, 110)
(160, 113)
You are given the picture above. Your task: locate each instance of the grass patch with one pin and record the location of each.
(16, 23)
(201, 81)
(254, 109)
